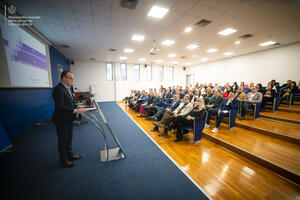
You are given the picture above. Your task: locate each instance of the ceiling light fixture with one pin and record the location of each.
(142, 59)
(172, 55)
(237, 42)
(168, 42)
(267, 43)
(159, 61)
(194, 56)
(157, 12)
(227, 31)
(174, 62)
(228, 53)
(128, 50)
(138, 38)
(123, 58)
(211, 50)
(192, 46)
(204, 59)
(188, 29)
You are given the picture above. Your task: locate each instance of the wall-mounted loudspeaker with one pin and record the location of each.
(71, 62)
(145, 66)
(183, 68)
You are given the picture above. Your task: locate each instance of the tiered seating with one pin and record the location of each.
(271, 141)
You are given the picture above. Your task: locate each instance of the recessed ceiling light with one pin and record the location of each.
(142, 59)
(172, 55)
(267, 43)
(188, 29)
(211, 50)
(123, 58)
(204, 59)
(188, 63)
(159, 61)
(168, 42)
(227, 31)
(138, 38)
(228, 53)
(194, 56)
(192, 46)
(128, 50)
(174, 62)
(157, 12)
(237, 42)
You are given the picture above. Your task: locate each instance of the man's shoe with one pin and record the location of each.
(75, 157)
(178, 140)
(154, 129)
(67, 163)
(157, 124)
(206, 125)
(215, 130)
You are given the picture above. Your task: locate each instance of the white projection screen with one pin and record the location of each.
(24, 59)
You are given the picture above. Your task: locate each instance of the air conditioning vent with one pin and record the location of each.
(203, 22)
(93, 59)
(183, 57)
(113, 50)
(129, 4)
(246, 36)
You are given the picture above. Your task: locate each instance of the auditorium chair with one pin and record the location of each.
(256, 109)
(196, 129)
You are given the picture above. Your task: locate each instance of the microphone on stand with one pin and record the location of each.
(77, 89)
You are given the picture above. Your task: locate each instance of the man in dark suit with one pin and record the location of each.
(227, 105)
(160, 113)
(63, 117)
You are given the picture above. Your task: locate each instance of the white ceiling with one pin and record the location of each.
(91, 27)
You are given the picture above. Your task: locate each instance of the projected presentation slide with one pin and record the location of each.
(26, 57)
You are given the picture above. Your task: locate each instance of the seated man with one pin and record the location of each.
(161, 111)
(240, 95)
(252, 97)
(227, 104)
(151, 109)
(197, 113)
(183, 109)
(215, 100)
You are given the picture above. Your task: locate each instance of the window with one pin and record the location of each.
(149, 72)
(136, 72)
(123, 71)
(171, 73)
(160, 73)
(109, 71)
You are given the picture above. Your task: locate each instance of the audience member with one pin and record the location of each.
(197, 113)
(268, 96)
(252, 97)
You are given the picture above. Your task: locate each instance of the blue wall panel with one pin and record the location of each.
(22, 108)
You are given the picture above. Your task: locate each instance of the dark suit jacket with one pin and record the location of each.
(64, 105)
(232, 105)
(172, 108)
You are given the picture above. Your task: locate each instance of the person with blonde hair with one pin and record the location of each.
(197, 113)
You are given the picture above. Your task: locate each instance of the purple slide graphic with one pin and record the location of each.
(27, 55)
(5, 42)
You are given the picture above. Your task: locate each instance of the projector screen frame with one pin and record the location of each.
(36, 35)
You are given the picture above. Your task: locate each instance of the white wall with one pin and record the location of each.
(280, 64)
(87, 73)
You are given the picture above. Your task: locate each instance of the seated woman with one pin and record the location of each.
(268, 96)
(196, 96)
(226, 93)
(286, 93)
(197, 113)
(142, 110)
